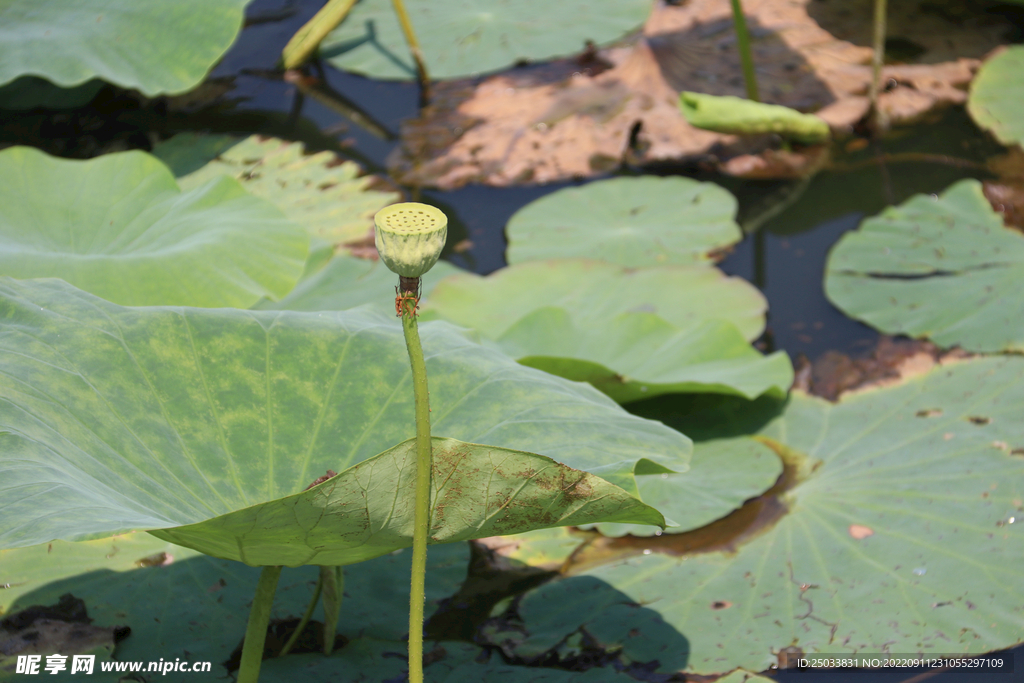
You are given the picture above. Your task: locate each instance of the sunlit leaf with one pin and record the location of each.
(460, 38)
(160, 46)
(327, 196)
(629, 221)
(117, 419)
(896, 532)
(944, 268)
(631, 333)
(346, 282)
(722, 475)
(996, 94)
(119, 227)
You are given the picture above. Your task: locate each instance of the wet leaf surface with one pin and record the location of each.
(631, 222)
(171, 416)
(944, 268)
(119, 227)
(938, 488)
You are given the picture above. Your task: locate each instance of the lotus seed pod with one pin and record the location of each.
(410, 237)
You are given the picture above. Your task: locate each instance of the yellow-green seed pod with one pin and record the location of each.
(410, 237)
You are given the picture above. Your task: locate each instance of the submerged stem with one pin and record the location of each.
(304, 621)
(259, 619)
(746, 57)
(423, 470)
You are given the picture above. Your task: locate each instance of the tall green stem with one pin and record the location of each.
(421, 518)
(878, 58)
(746, 56)
(308, 38)
(414, 47)
(259, 619)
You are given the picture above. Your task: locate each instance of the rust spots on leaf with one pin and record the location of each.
(860, 532)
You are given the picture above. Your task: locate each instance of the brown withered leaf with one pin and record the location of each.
(579, 117)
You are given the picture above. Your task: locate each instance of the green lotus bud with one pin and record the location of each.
(410, 237)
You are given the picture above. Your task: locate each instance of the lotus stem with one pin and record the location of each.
(308, 38)
(414, 47)
(746, 56)
(421, 513)
(259, 619)
(879, 120)
(333, 581)
(294, 638)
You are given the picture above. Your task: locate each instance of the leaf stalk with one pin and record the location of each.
(746, 56)
(259, 619)
(421, 513)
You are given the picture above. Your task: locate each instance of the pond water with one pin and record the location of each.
(785, 257)
(786, 261)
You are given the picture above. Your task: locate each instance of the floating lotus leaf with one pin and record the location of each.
(118, 226)
(728, 114)
(722, 475)
(180, 603)
(346, 282)
(628, 221)
(329, 197)
(631, 333)
(894, 532)
(161, 46)
(117, 419)
(996, 94)
(939, 267)
(461, 38)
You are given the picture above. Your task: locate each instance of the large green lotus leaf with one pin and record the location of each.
(629, 221)
(996, 94)
(632, 356)
(118, 226)
(367, 510)
(945, 268)
(181, 602)
(160, 46)
(897, 534)
(631, 333)
(728, 114)
(464, 38)
(594, 291)
(327, 196)
(346, 282)
(723, 474)
(118, 418)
